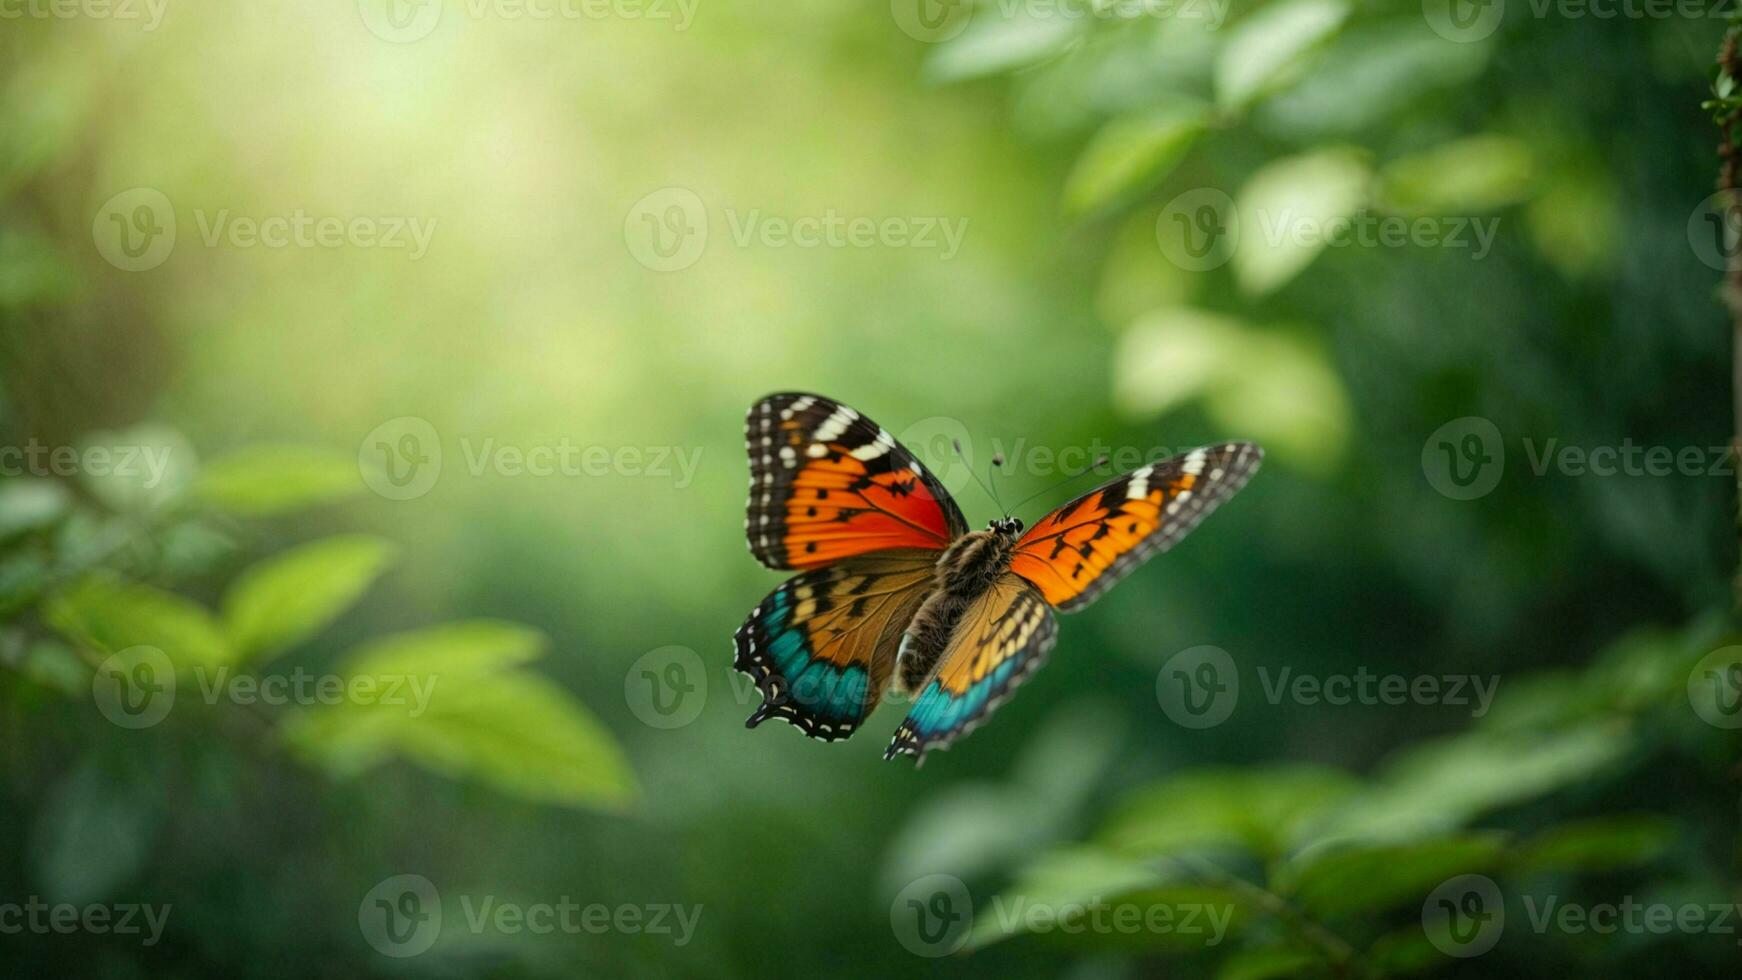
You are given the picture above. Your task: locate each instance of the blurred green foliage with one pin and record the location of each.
(1066, 318)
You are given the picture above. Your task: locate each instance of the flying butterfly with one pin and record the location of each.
(895, 592)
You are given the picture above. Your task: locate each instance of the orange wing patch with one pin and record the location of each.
(1077, 552)
(826, 483)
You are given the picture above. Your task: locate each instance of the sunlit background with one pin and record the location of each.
(446, 360)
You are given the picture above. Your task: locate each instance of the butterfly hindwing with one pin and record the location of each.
(1078, 551)
(822, 646)
(827, 483)
(1001, 638)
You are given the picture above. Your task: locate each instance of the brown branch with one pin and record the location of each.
(1730, 184)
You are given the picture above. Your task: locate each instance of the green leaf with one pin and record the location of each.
(288, 598)
(1573, 222)
(108, 614)
(1403, 952)
(92, 835)
(1289, 211)
(274, 479)
(1062, 877)
(1599, 844)
(1336, 879)
(1263, 810)
(30, 505)
(1464, 177)
(1273, 385)
(514, 731)
(1271, 48)
(54, 665)
(1443, 784)
(1000, 44)
(1366, 77)
(1137, 277)
(1130, 154)
(457, 650)
(1290, 398)
(1270, 963)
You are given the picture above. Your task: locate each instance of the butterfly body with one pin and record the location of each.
(895, 593)
(965, 571)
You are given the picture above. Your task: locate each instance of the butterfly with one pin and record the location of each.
(894, 592)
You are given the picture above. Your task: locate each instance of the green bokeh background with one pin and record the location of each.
(1061, 321)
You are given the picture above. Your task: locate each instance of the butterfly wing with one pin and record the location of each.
(827, 483)
(822, 646)
(1077, 552)
(1001, 638)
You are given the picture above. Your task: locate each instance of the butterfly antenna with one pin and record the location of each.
(997, 460)
(1099, 462)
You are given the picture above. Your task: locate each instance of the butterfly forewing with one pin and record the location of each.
(827, 483)
(1078, 551)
